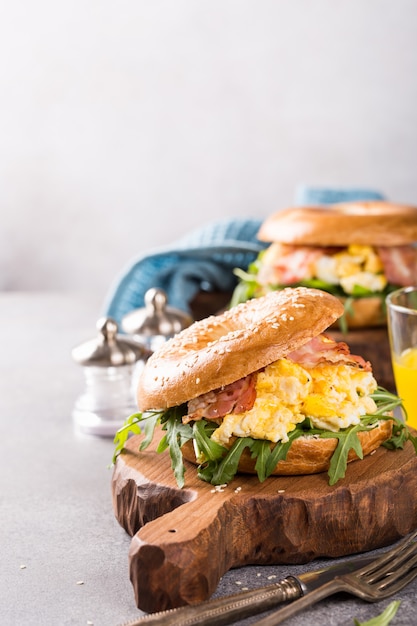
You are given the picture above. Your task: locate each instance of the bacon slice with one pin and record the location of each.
(286, 264)
(323, 348)
(238, 397)
(400, 264)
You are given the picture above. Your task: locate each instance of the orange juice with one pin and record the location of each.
(405, 373)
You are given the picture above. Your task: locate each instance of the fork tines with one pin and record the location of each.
(392, 566)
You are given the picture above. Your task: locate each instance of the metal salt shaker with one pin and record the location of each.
(110, 362)
(156, 322)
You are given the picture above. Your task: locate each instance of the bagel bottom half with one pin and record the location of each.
(308, 454)
(365, 312)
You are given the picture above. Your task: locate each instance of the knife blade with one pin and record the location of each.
(230, 609)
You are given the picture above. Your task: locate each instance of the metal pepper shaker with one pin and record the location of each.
(156, 322)
(110, 362)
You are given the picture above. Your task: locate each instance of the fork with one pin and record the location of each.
(388, 574)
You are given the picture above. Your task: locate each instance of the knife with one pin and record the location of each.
(230, 609)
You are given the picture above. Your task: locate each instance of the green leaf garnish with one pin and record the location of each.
(177, 434)
(280, 450)
(207, 448)
(132, 426)
(347, 440)
(226, 469)
(261, 450)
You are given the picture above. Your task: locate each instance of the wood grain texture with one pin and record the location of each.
(184, 540)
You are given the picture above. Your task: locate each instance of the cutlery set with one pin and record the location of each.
(367, 577)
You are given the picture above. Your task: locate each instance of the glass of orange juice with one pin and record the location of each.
(402, 330)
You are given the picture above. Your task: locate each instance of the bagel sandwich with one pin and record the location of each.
(358, 251)
(262, 389)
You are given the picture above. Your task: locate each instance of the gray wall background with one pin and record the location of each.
(124, 125)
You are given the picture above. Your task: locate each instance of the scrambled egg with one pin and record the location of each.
(357, 265)
(332, 396)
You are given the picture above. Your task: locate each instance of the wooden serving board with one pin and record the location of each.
(184, 540)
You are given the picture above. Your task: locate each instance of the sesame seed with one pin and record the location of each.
(79, 582)
(218, 488)
(23, 567)
(281, 490)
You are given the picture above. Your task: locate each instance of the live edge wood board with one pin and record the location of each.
(184, 540)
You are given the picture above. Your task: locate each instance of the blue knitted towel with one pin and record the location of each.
(205, 258)
(307, 195)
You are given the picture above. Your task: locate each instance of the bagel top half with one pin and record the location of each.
(372, 223)
(221, 349)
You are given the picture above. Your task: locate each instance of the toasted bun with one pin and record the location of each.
(221, 349)
(363, 223)
(366, 312)
(309, 455)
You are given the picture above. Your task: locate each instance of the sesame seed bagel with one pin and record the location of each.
(309, 455)
(221, 349)
(374, 223)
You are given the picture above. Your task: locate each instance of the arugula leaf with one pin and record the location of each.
(279, 453)
(246, 288)
(149, 428)
(210, 449)
(206, 470)
(141, 423)
(347, 310)
(385, 400)
(131, 427)
(347, 440)
(400, 434)
(261, 450)
(384, 618)
(177, 434)
(226, 469)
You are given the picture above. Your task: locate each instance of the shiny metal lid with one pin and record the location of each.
(156, 318)
(109, 349)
